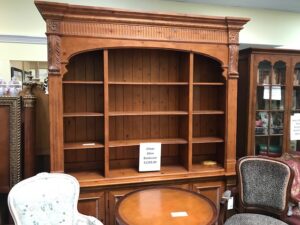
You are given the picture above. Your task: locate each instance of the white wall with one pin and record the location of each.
(20, 17)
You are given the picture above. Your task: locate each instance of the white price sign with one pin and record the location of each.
(149, 157)
(295, 127)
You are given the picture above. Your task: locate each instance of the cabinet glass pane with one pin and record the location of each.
(271, 146)
(262, 123)
(277, 97)
(297, 74)
(279, 73)
(276, 123)
(261, 102)
(296, 98)
(275, 147)
(296, 89)
(261, 145)
(264, 72)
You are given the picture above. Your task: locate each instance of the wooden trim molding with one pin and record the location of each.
(14, 104)
(66, 20)
(22, 39)
(143, 32)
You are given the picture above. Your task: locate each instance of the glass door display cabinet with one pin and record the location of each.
(268, 101)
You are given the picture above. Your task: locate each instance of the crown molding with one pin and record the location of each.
(22, 39)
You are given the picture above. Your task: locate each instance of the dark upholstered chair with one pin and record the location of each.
(264, 186)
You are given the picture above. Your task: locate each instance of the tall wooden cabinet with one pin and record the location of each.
(120, 78)
(269, 94)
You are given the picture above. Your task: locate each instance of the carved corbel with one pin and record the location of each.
(233, 61)
(225, 72)
(54, 47)
(64, 69)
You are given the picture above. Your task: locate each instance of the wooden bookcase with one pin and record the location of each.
(268, 96)
(119, 78)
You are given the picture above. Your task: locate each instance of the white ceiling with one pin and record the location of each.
(283, 5)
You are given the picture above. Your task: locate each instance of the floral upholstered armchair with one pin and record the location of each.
(47, 199)
(294, 205)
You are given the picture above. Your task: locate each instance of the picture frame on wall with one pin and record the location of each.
(25, 75)
(17, 74)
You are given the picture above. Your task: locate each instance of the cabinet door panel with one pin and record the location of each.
(92, 204)
(212, 190)
(113, 198)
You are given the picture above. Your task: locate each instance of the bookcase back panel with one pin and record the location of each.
(209, 98)
(147, 65)
(147, 127)
(83, 98)
(128, 157)
(86, 66)
(207, 69)
(208, 151)
(83, 129)
(147, 98)
(208, 126)
(84, 160)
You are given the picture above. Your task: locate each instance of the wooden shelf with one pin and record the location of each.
(208, 84)
(82, 82)
(90, 176)
(271, 85)
(82, 145)
(148, 113)
(205, 169)
(268, 135)
(270, 110)
(138, 141)
(208, 112)
(147, 83)
(132, 175)
(83, 114)
(201, 140)
(133, 172)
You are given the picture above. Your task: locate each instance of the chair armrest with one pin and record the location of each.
(222, 212)
(87, 220)
(224, 204)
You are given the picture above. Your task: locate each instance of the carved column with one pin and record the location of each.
(233, 39)
(55, 100)
(29, 101)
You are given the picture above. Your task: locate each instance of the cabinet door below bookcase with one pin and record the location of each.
(93, 204)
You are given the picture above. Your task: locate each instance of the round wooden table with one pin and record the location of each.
(165, 206)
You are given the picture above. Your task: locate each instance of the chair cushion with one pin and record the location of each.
(253, 219)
